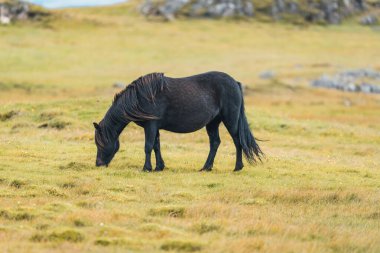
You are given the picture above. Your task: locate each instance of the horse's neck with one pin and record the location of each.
(115, 124)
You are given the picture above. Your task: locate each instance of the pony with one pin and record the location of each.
(182, 105)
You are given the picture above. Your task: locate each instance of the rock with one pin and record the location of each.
(351, 87)
(169, 9)
(369, 20)
(347, 102)
(370, 88)
(15, 10)
(267, 75)
(4, 20)
(316, 11)
(351, 81)
(119, 85)
(331, 11)
(366, 88)
(4, 15)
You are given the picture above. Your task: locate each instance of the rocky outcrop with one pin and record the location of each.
(18, 10)
(360, 80)
(314, 11)
(318, 11)
(200, 8)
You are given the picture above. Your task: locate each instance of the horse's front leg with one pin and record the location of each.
(150, 130)
(160, 164)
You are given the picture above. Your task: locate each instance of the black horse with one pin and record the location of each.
(180, 105)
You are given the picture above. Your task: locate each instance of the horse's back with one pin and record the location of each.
(192, 102)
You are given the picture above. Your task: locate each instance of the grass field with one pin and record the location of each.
(317, 191)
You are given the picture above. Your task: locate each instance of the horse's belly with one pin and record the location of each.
(184, 127)
(187, 121)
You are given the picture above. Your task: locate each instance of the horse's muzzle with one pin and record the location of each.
(100, 163)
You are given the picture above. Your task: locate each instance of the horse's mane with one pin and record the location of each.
(126, 103)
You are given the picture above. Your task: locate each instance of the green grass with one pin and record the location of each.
(317, 191)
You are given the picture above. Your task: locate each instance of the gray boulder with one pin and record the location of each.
(269, 74)
(369, 20)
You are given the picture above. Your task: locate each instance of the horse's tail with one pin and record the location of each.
(248, 142)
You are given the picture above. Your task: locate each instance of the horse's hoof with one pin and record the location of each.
(147, 170)
(205, 170)
(159, 167)
(238, 169)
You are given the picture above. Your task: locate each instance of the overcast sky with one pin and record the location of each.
(73, 3)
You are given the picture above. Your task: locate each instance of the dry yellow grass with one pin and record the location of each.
(318, 190)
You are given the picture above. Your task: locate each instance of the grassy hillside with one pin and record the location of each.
(318, 190)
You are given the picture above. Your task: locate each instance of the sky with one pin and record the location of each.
(54, 4)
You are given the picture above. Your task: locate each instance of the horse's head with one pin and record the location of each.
(107, 147)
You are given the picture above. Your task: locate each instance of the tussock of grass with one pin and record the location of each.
(49, 115)
(56, 124)
(181, 246)
(42, 226)
(8, 115)
(80, 223)
(307, 197)
(18, 86)
(16, 216)
(38, 238)
(55, 192)
(204, 228)
(374, 216)
(67, 235)
(68, 185)
(17, 184)
(77, 166)
(102, 242)
(183, 195)
(109, 242)
(116, 189)
(55, 207)
(255, 201)
(21, 125)
(170, 211)
(214, 185)
(89, 205)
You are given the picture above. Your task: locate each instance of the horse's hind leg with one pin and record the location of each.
(213, 134)
(160, 164)
(231, 122)
(150, 129)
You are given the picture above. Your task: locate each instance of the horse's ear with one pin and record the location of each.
(96, 125)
